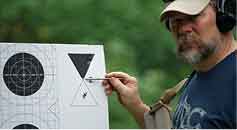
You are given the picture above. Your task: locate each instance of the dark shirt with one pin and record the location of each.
(209, 99)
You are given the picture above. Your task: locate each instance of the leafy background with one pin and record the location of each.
(134, 39)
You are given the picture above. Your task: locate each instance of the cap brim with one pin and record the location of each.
(189, 7)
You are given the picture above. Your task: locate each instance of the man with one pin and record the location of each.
(209, 98)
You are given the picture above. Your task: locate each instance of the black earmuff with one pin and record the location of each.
(226, 15)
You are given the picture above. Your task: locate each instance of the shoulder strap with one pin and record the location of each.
(170, 93)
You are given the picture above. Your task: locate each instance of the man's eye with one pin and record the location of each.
(178, 20)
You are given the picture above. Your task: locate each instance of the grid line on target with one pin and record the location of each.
(22, 75)
(27, 83)
(19, 120)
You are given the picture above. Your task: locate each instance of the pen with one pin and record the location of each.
(100, 78)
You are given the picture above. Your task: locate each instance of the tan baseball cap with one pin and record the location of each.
(189, 7)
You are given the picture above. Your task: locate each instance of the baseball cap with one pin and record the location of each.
(189, 7)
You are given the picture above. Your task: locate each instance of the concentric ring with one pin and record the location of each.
(26, 126)
(23, 74)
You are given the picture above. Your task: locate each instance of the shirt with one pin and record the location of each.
(209, 98)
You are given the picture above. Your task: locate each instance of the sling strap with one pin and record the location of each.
(159, 116)
(169, 94)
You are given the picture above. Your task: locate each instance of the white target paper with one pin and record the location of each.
(45, 86)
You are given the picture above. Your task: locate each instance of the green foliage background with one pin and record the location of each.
(134, 39)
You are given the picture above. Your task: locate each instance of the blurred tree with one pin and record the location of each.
(135, 41)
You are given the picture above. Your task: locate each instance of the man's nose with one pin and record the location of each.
(186, 27)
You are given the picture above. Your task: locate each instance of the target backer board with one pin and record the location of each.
(46, 86)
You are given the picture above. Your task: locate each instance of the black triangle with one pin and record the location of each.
(82, 62)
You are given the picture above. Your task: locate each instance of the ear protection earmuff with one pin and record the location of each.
(226, 15)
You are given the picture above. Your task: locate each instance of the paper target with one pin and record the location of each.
(28, 73)
(32, 76)
(83, 95)
(29, 121)
(23, 74)
(28, 95)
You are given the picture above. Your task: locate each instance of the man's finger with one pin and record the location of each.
(108, 93)
(117, 75)
(117, 84)
(105, 82)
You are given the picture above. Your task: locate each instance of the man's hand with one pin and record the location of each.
(127, 90)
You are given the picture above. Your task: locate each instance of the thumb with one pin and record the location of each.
(117, 84)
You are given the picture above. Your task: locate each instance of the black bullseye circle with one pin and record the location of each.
(23, 74)
(25, 126)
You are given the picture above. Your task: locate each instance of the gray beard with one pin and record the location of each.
(196, 56)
